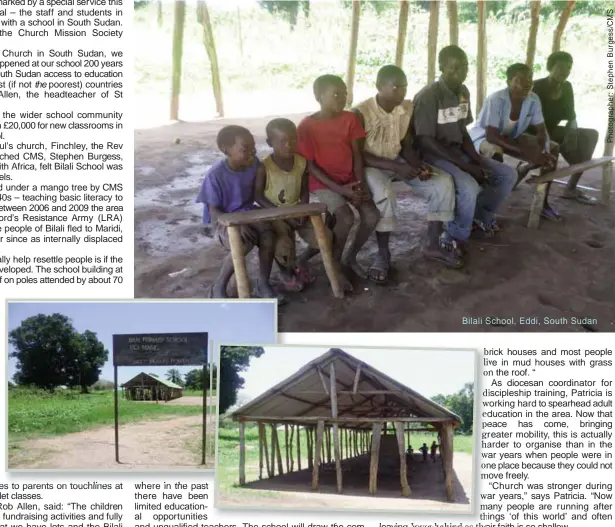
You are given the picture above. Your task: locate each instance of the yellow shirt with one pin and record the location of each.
(384, 131)
(284, 188)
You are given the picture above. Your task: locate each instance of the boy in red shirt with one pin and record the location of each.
(329, 140)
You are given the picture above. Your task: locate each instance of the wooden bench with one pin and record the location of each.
(542, 180)
(234, 221)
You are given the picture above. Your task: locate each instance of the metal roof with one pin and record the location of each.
(363, 393)
(154, 377)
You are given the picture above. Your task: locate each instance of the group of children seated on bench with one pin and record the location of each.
(349, 160)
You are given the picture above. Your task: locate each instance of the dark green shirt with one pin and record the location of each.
(441, 113)
(555, 111)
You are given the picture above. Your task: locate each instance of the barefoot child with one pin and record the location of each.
(434, 449)
(282, 181)
(229, 187)
(329, 140)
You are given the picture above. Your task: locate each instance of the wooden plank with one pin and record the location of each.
(481, 57)
(375, 454)
(242, 454)
(326, 252)
(239, 262)
(559, 30)
(572, 169)
(261, 433)
(352, 53)
(432, 41)
(447, 453)
(453, 23)
(271, 214)
(343, 420)
(320, 428)
(357, 377)
(402, 29)
(403, 467)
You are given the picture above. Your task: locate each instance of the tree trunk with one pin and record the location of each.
(453, 23)
(432, 40)
(531, 41)
(352, 55)
(178, 49)
(481, 59)
(559, 30)
(401, 32)
(210, 47)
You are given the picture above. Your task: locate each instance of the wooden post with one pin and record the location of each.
(336, 431)
(446, 451)
(607, 170)
(453, 23)
(179, 22)
(239, 261)
(537, 204)
(286, 448)
(326, 252)
(402, 28)
(309, 434)
(242, 453)
(298, 449)
(290, 448)
(320, 428)
(328, 445)
(352, 54)
(432, 40)
(202, 14)
(531, 40)
(261, 433)
(559, 30)
(278, 453)
(403, 468)
(373, 462)
(481, 58)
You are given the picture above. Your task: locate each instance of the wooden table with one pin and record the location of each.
(235, 220)
(542, 180)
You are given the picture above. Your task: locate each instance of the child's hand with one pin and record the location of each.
(424, 172)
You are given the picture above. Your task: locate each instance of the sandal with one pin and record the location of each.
(579, 196)
(550, 214)
(304, 274)
(481, 230)
(379, 271)
(449, 253)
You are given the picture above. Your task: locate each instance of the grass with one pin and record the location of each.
(227, 470)
(272, 59)
(33, 413)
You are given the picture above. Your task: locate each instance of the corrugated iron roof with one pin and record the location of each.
(303, 394)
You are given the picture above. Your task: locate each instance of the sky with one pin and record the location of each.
(428, 372)
(226, 322)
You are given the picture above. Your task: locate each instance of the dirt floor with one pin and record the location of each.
(158, 444)
(426, 481)
(561, 272)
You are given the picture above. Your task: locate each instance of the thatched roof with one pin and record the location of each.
(363, 395)
(146, 379)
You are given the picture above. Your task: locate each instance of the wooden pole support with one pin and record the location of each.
(261, 438)
(336, 431)
(298, 448)
(326, 252)
(537, 204)
(239, 261)
(531, 40)
(447, 443)
(352, 54)
(563, 20)
(432, 40)
(242, 454)
(403, 467)
(453, 24)
(481, 57)
(402, 29)
(320, 428)
(278, 451)
(373, 462)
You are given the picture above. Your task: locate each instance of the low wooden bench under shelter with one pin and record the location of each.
(235, 220)
(350, 415)
(542, 180)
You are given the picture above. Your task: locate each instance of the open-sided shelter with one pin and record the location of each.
(343, 404)
(146, 387)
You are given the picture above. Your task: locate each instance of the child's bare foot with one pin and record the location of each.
(345, 282)
(351, 263)
(264, 290)
(217, 291)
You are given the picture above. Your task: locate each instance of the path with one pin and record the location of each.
(426, 482)
(165, 443)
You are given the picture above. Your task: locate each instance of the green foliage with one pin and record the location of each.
(174, 376)
(102, 385)
(462, 404)
(289, 10)
(36, 412)
(51, 353)
(233, 361)
(193, 380)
